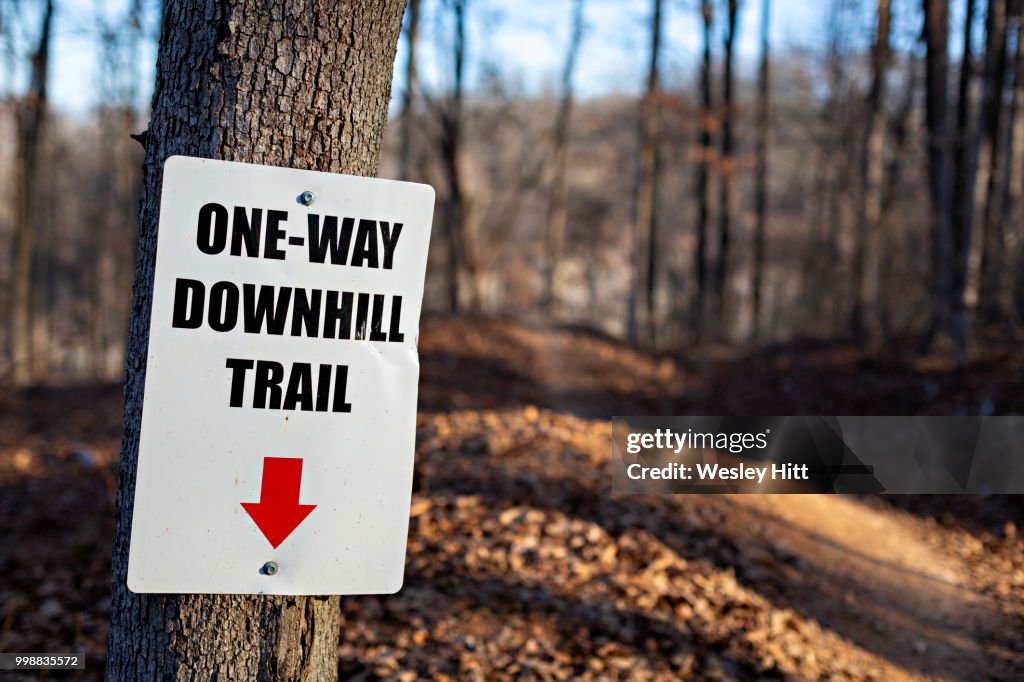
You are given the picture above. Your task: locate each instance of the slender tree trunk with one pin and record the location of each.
(456, 205)
(707, 124)
(866, 324)
(30, 116)
(726, 188)
(300, 84)
(646, 204)
(408, 94)
(964, 151)
(936, 31)
(761, 186)
(962, 168)
(986, 256)
(558, 212)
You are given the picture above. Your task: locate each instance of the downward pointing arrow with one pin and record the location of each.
(278, 512)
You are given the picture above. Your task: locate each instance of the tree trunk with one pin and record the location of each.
(298, 84)
(707, 124)
(726, 188)
(936, 32)
(866, 324)
(761, 186)
(405, 151)
(964, 151)
(30, 116)
(559, 196)
(1010, 283)
(456, 209)
(646, 203)
(986, 255)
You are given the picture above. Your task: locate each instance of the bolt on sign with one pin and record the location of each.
(278, 426)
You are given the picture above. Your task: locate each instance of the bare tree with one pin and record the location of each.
(866, 323)
(936, 34)
(986, 253)
(726, 188)
(30, 115)
(1011, 281)
(408, 94)
(645, 218)
(559, 194)
(233, 82)
(963, 151)
(457, 207)
(705, 151)
(761, 178)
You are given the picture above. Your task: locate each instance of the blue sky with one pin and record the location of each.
(527, 39)
(523, 40)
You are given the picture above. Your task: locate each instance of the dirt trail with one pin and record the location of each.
(884, 581)
(893, 585)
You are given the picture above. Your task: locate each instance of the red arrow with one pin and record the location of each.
(278, 512)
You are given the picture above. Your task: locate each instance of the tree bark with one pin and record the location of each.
(964, 147)
(726, 188)
(559, 195)
(707, 124)
(456, 207)
(646, 201)
(761, 180)
(298, 84)
(30, 116)
(986, 255)
(936, 33)
(866, 323)
(1011, 281)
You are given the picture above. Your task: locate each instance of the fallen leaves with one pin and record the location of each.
(521, 562)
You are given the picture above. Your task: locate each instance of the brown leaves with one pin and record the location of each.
(521, 562)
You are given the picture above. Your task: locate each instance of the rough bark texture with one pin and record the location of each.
(290, 83)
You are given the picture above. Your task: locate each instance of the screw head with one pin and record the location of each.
(269, 568)
(306, 198)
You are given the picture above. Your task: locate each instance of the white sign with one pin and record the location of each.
(278, 426)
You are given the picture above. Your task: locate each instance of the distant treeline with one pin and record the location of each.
(870, 187)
